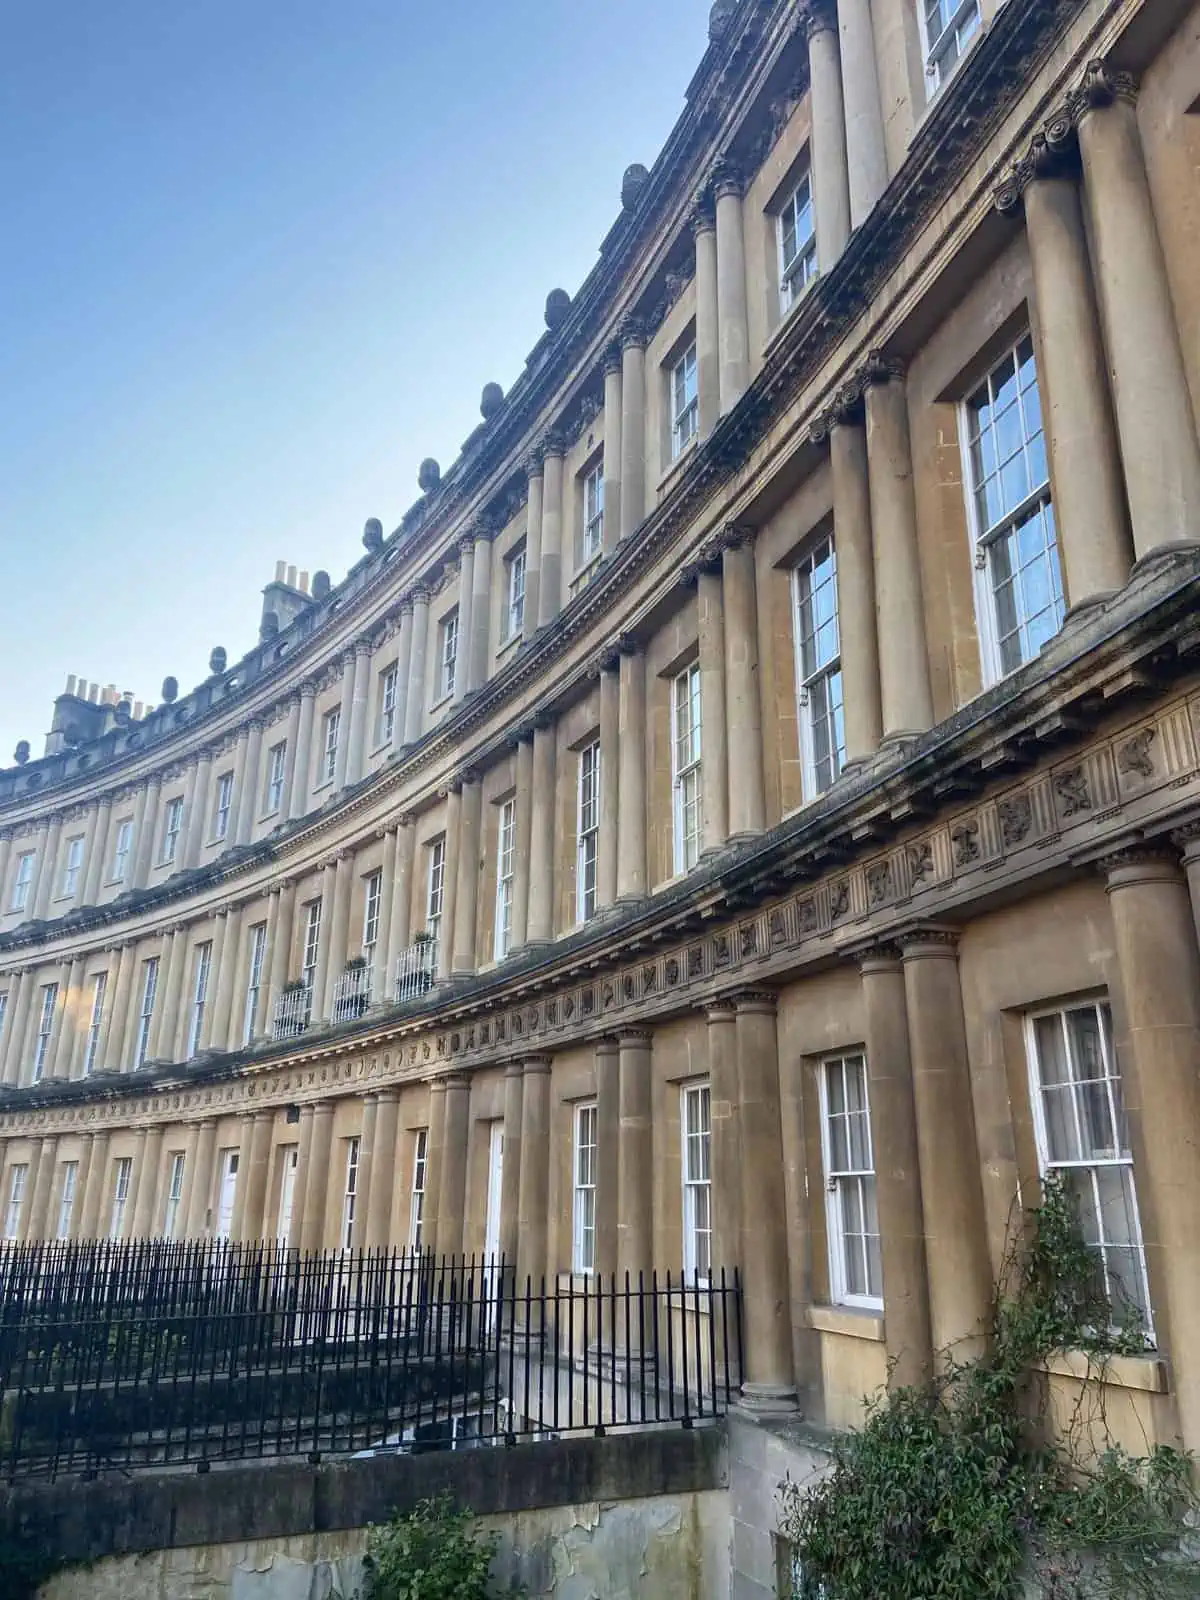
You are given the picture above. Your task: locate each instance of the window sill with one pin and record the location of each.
(1147, 1373)
(266, 816)
(849, 1321)
(326, 783)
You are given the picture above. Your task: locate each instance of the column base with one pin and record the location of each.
(893, 747)
(1084, 610)
(769, 1400)
(1162, 555)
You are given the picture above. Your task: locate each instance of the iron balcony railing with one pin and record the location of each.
(416, 970)
(124, 1355)
(352, 993)
(293, 1010)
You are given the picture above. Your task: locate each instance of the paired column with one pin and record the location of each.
(295, 1237)
(47, 869)
(510, 1172)
(339, 926)
(550, 580)
(302, 764)
(383, 963)
(734, 333)
(249, 796)
(633, 427)
(830, 170)
(200, 1183)
(635, 1164)
(631, 817)
(534, 510)
(359, 705)
(414, 709)
(197, 810)
(467, 887)
(540, 928)
(434, 1151)
(316, 1185)
(321, 975)
(708, 345)
(346, 706)
(612, 447)
(747, 801)
(40, 1187)
(146, 1173)
(145, 826)
(452, 1184)
(534, 1181)
(714, 765)
(92, 1166)
(171, 977)
(253, 1171)
(291, 738)
(115, 1016)
(223, 1035)
(863, 710)
(96, 853)
(865, 149)
(20, 998)
(610, 788)
(377, 1203)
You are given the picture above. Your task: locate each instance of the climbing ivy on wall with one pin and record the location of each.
(960, 1491)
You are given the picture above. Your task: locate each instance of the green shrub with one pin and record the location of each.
(432, 1553)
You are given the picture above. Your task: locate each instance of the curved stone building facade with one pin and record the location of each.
(744, 814)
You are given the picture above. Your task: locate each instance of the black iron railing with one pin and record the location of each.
(127, 1355)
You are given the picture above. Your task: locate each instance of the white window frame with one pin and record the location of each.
(686, 784)
(224, 807)
(506, 877)
(72, 867)
(943, 53)
(436, 900)
(45, 1029)
(174, 1194)
(416, 1208)
(254, 978)
(172, 828)
(593, 515)
(822, 684)
(276, 770)
(514, 596)
(695, 1163)
(350, 1192)
(372, 907)
(1086, 1166)
(66, 1199)
(587, 833)
(331, 732)
(146, 1009)
(799, 269)
(986, 541)
(842, 1179)
(95, 1021)
(448, 641)
(201, 971)
(23, 880)
(122, 845)
(585, 1165)
(122, 1181)
(389, 685)
(683, 401)
(18, 1183)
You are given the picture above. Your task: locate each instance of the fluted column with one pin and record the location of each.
(92, 1192)
(201, 1185)
(40, 1185)
(1160, 983)
(97, 851)
(534, 512)
(829, 166)
(256, 1162)
(400, 931)
(466, 617)
(414, 711)
(1157, 429)
(714, 765)
(542, 834)
(47, 867)
(897, 1170)
(866, 152)
(633, 428)
(708, 338)
(747, 801)
(534, 1183)
(403, 673)
(295, 1237)
(631, 819)
(302, 766)
(445, 954)
(280, 950)
(467, 886)
(903, 664)
(610, 783)
(452, 1187)
(862, 707)
(376, 1207)
(316, 1188)
(608, 1154)
(356, 743)
(724, 1099)
(635, 1164)
(146, 1173)
(481, 606)
(612, 447)
(956, 1249)
(510, 1174)
(523, 841)
(550, 585)
(732, 322)
(339, 927)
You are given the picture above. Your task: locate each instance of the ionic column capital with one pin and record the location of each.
(1041, 161)
(1102, 85)
(922, 943)
(1154, 861)
(635, 1038)
(611, 360)
(701, 218)
(726, 178)
(876, 956)
(633, 334)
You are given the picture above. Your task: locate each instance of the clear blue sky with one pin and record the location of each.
(259, 258)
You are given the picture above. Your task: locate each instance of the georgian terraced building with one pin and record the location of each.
(744, 814)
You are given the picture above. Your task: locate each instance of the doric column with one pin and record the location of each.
(92, 1192)
(863, 711)
(256, 1161)
(41, 1184)
(635, 1155)
(377, 1205)
(540, 928)
(769, 1380)
(830, 172)
(1159, 449)
(339, 926)
(631, 817)
(633, 427)
(897, 1170)
(550, 585)
(414, 710)
(82, 1182)
(146, 1174)
(708, 338)
(866, 153)
(452, 1187)
(534, 1185)
(250, 798)
(321, 975)
(534, 510)
(1160, 982)
(467, 887)
(445, 954)
(522, 842)
(47, 868)
(434, 1148)
(400, 931)
(403, 673)
(164, 1025)
(356, 743)
(302, 767)
(747, 803)
(1089, 501)
(279, 950)
(466, 617)
(903, 664)
(610, 783)
(316, 1189)
(96, 852)
(116, 1008)
(724, 1097)
(714, 751)
(612, 447)
(295, 1237)
(481, 606)
(732, 321)
(608, 1154)
(510, 1173)
(956, 1249)
(201, 1184)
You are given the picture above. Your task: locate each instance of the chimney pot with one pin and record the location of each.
(280, 569)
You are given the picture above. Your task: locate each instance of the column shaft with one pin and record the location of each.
(148, 1168)
(279, 953)
(220, 925)
(522, 843)
(466, 617)
(830, 172)
(542, 835)
(359, 704)
(47, 871)
(300, 1186)
(631, 816)
(316, 1189)
(534, 1185)
(197, 811)
(383, 962)
(403, 672)
(321, 975)
(400, 931)
(550, 584)
(434, 1150)
(612, 450)
(708, 338)
(40, 1186)
(533, 545)
(302, 765)
(863, 711)
(378, 1203)
(714, 765)
(865, 150)
(608, 1154)
(635, 1158)
(414, 711)
(724, 1097)
(96, 854)
(633, 432)
(93, 1189)
(452, 1185)
(202, 1182)
(481, 607)
(291, 740)
(747, 801)
(258, 1165)
(610, 785)
(510, 1175)
(731, 294)
(250, 797)
(339, 927)
(115, 1017)
(445, 953)
(467, 888)
(82, 1181)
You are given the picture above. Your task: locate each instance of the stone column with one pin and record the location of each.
(769, 1380)
(828, 162)
(201, 1183)
(366, 1170)
(242, 1178)
(197, 811)
(1089, 500)
(612, 448)
(400, 928)
(279, 948)
(434, 1150)
(316, 1189)
(897, 1169)
(320, 976)
(40, 1185)
(635, 1156)
(731, 287)
(216, 971)
(542, 834)
(956, 1248)
(300, 1187)
(466, 617)
(165, 1023)
(6, 839)
(633, 428)
(83, 1187)
(377, 1205)
(403, 673)
(249, 801)
(190, 1145)
(452, 1186)
(724, 1097)
(467, 885)
(445, 952)
(510, 1174)
(414, 709)
(522, 843)
(1160, 983)
(631, 817)
(130, 879)
(345, 706)
(59, 1052)
(708, 339)
(481, 605)
(534, 1184)
(116, 1009)
(356, 744)
(92, 1192)
(302, 767)
(339, 926)
(608, 1154)
(747, 801)
(17, 1016)
(383, 944)
(145, 1182)
(866, 153)
(1159, 448)
(222, 1031)
(550, 584)
(256, 1163)
(47, 868)
(97, 853)
(714, 763)
(533, 542)
(610, 787)
(863, 709)
(903, 664)
(291, 736)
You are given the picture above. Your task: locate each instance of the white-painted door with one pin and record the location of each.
(287, 1192)
(229, 1172)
